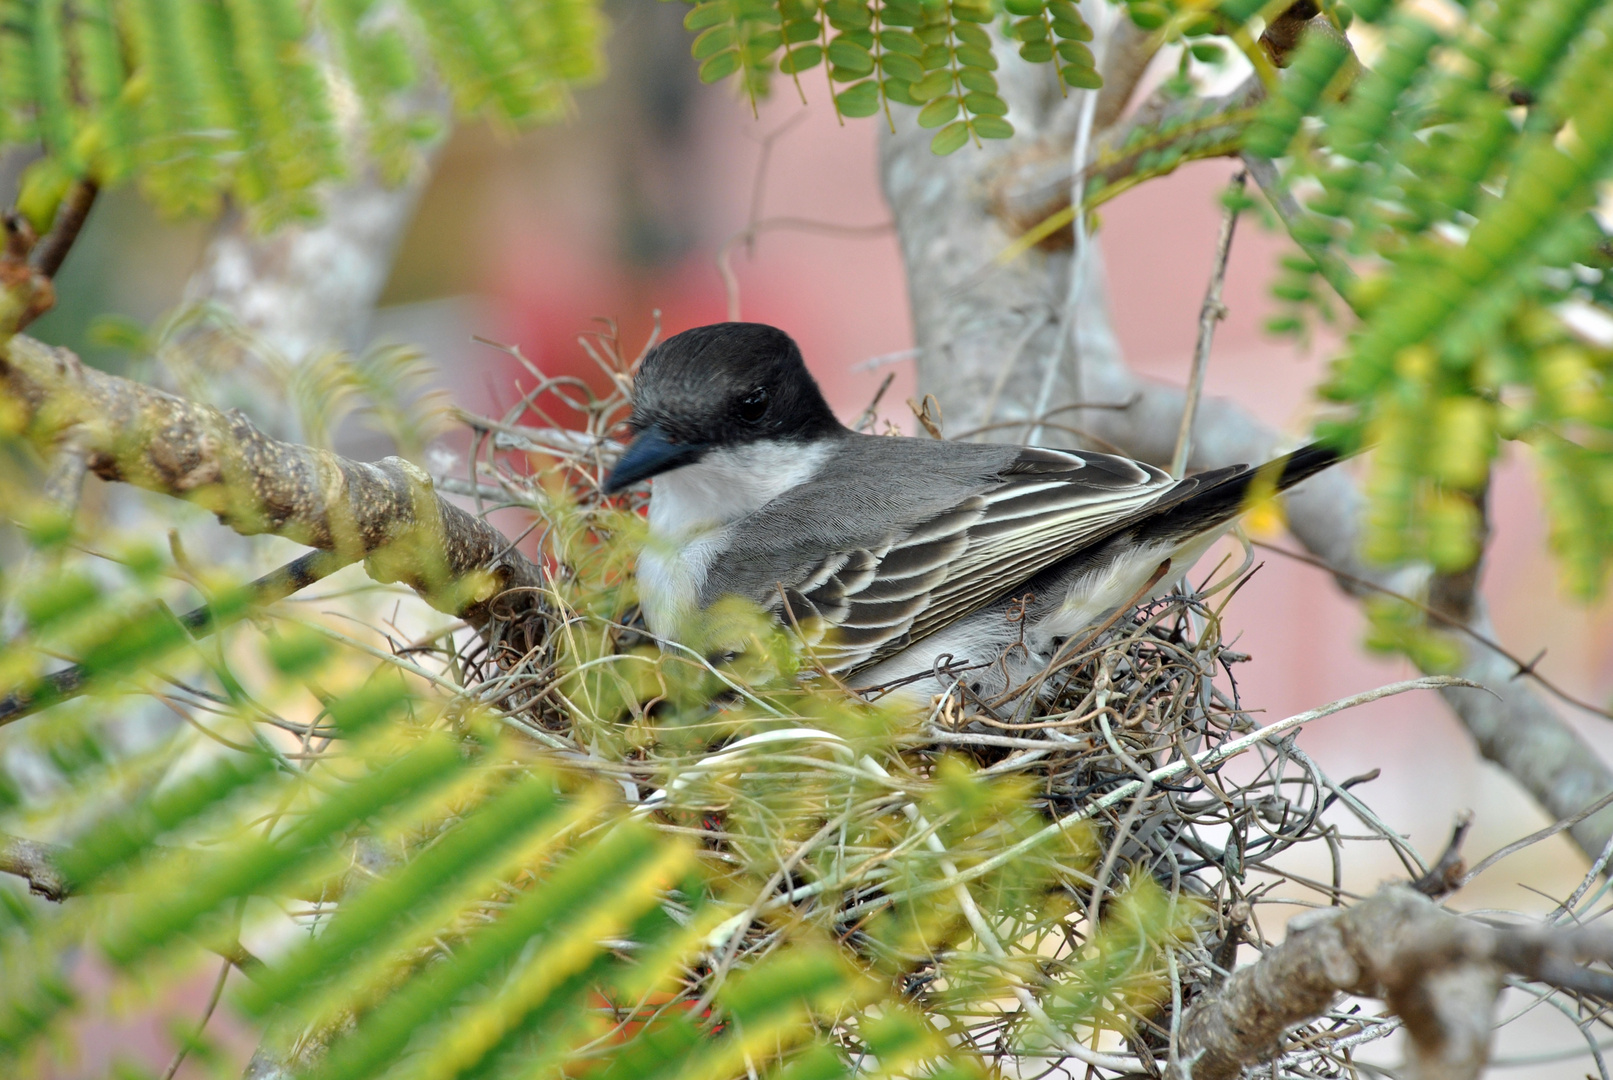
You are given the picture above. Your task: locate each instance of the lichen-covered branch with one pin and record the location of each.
(386, 513)
(1440, 973)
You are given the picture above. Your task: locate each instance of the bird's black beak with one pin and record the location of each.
(650, 454)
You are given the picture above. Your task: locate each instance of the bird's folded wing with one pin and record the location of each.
(859, 606)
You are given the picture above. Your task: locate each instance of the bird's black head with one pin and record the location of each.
(717, 386)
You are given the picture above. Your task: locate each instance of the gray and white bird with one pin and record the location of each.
(888, 553)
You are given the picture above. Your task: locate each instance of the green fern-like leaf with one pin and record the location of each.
(197, 100)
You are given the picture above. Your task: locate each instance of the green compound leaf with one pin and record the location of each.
(899, 41)
(901, 92)
(198, 102)
(850, 57)
(975, 79)
(938, 112)
(976, 56)
(705, 15)
(1148, 16)
(713, 41)
(898, 66)
(1084, 77)
(1037, 52)
(932, 85)
(984, 104)
(1077, 54)
(719, 67)
(992, 127)
(950, 138)
(801, 58)
(861, 99)
(1035, 29)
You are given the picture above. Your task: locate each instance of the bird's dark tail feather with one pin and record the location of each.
(1213, 498)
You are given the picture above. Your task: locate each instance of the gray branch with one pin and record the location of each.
(386, 512)
(1438, 972)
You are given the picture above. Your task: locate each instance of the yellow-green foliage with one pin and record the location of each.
(198, 99)
(1458, 176)
(483, 897)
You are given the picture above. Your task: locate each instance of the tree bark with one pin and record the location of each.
(1440, 973)
(386, 513)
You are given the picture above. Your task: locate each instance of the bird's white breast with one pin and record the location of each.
(691, 511)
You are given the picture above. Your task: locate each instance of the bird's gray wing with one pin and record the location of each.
(856, 606)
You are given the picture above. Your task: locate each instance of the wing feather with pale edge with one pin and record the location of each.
(862, 605)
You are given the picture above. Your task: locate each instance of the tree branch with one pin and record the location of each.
(51, 251)
(35, 863)
(1438, 972)
(386, 513)
(1210, 313)
(39, 864)
(277, 584)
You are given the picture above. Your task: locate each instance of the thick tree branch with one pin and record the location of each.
(386, 513)
(1030, 188)
(1438, 972)
(1165, 132)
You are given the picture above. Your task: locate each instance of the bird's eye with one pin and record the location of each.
(754, 407)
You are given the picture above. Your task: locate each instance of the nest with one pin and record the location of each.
(1155, 686)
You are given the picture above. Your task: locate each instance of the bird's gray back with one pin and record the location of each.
(857, 500)
(874, 491)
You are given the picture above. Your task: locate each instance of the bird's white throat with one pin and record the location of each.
(691, 510)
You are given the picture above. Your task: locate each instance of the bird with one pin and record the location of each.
(901, 562)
